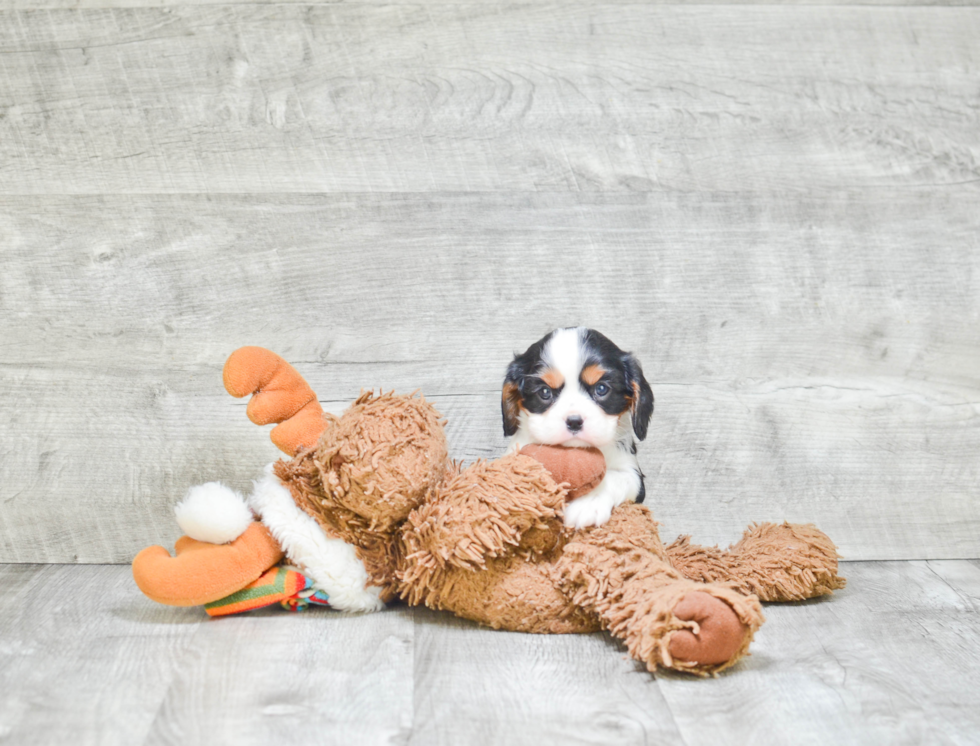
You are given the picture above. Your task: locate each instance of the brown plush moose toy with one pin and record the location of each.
(369, 509)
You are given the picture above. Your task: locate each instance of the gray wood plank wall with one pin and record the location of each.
(775, 206)
(514, 97)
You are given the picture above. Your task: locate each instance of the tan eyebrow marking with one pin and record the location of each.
(592, 374)
(553, 378)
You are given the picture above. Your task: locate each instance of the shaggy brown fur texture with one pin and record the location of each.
(621, 572)
(487, 542)
(370, 468)
(776, 562)
(381, 457)
(482, 548)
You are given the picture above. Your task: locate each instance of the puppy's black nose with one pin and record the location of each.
(574, 423)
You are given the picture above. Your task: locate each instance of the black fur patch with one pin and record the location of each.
(528, 387)
(629, 390)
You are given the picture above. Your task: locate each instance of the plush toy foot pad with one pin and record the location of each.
(580, 468)
(720, 632)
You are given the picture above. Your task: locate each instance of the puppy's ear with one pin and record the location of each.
(641, 407)
(510, 397)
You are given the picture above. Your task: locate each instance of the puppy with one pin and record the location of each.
(575, 388)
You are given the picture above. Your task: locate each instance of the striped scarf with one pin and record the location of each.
(281, 584)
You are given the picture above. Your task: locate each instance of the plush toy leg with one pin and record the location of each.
(202, 572)
(787, 562)
(508, 593)
(620, 572)
(279, 394)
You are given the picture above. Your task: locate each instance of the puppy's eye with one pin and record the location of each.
(545, 393)
(601, 389)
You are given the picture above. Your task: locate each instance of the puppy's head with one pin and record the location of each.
(574, 387)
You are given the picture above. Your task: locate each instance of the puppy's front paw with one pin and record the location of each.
(591, 510)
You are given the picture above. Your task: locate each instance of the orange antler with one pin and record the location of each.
(279, 394)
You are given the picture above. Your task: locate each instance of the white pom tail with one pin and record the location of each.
(213, 513)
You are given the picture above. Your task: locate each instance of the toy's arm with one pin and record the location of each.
(279, 394)
(484, 511)
(498, 507)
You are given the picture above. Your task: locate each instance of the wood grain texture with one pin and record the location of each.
(487, 97)
(557, 6)
(814, 358)
(84, 658)
(891, 659)
(481, 687)
(80, 662)
(276, 677)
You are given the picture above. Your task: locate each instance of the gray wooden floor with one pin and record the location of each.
(84, 658)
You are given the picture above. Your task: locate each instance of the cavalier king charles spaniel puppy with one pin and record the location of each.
(577, 389)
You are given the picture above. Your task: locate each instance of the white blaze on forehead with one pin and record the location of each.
(563, 352)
